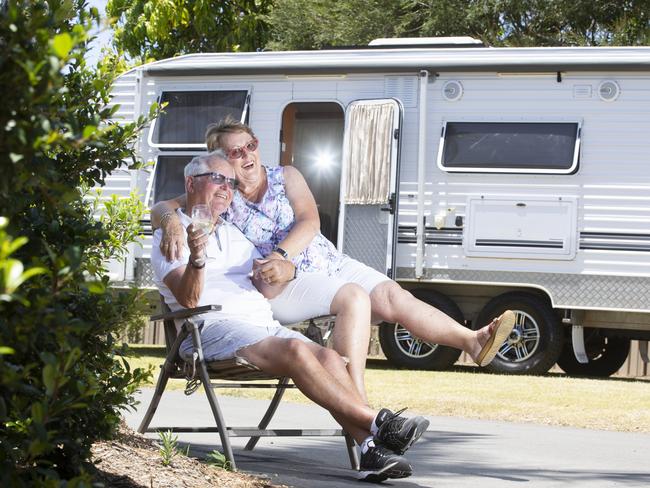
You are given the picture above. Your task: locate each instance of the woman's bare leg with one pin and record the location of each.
(391, 303)
(351, 334)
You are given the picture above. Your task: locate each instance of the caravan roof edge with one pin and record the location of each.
(405, 60)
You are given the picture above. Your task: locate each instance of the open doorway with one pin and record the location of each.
(311, 140)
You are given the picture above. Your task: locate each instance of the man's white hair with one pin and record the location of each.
(201, 164)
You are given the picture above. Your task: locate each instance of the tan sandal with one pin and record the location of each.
(500, 332)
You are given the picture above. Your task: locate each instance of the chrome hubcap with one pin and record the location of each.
(523, 340)
(410, 346)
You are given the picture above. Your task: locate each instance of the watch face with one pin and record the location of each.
(281, 252)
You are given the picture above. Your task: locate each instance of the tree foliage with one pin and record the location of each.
(158, 29)
(317, 24)
(313, 24)
(62, 382)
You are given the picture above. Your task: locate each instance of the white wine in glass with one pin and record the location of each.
(202, 217)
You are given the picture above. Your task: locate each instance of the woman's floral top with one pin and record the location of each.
(268, 222)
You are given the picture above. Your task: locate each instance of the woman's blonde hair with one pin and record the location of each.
(227, 125)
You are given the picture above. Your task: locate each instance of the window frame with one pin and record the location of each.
(503, 170)
(189, 88)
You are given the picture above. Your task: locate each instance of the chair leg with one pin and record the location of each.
(352, 451)
(273, 406)
(218, 416)
(157, 395)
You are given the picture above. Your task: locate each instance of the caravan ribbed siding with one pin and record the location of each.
(121, 181)
(612, 183)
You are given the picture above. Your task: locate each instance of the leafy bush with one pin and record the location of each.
(62, 380)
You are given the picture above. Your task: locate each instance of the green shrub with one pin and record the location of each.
(217, 459)
(63, 381)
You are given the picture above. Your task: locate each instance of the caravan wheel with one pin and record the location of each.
(537, 339)
(606, 355)
(402, 349)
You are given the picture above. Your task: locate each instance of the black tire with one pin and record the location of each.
(606, 355)
(402, 350)
(537, 339)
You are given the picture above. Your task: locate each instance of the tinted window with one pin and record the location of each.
(170, 182)
(188, 113)
(507, 145)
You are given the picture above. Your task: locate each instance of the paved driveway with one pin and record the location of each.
(453, 452)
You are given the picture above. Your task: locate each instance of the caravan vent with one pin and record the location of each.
(608, 90)
(452, 90)
(402, 88)
(582, 91)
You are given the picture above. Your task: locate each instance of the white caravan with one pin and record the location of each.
(480, 178)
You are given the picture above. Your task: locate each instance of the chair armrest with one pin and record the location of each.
(186, 312)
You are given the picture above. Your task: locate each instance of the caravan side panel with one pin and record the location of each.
(121, 182)
(611, 266)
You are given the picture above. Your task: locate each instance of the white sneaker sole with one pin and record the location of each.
(383, 474)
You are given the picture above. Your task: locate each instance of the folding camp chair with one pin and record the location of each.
(236, 369)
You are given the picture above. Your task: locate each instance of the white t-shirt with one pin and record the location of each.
(227, 276)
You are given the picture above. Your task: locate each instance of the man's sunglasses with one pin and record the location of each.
(241, 151)
(220, 179)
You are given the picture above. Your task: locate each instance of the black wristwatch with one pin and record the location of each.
(199, 265)
(281, 252)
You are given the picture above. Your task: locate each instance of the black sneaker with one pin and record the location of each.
(379, 463)
(398, 433)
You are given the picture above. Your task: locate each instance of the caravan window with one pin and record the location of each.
(510, 147)
(188, 113)
(169, 180)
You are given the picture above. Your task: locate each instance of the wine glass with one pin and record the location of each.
(202, 219)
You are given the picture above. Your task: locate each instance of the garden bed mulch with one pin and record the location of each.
(133, 461)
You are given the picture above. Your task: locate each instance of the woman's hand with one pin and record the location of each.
(271, 275)
(173, 238)
(164, 216)
(274, 271)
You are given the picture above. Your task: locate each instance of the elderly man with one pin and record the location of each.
(215, 269)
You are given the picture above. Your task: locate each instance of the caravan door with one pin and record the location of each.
(370, 172)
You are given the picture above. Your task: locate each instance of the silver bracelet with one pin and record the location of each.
(165, 217)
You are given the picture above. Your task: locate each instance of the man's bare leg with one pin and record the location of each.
(321, 375)
(296, 359)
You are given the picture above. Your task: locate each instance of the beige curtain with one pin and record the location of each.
(368, 153)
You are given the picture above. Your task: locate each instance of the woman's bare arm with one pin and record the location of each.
(307, 222)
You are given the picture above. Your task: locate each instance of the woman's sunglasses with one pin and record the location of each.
(220, 179)
(241, 151)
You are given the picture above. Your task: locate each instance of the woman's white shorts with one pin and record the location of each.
(311, 294)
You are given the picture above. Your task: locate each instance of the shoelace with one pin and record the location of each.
(376, 454)
(391, 428)
(396, 414)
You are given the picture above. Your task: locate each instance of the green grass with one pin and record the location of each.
(620, 404)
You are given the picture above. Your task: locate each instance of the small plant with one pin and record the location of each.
(169, 447)
(216, 459)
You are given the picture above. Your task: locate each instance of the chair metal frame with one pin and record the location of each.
(235, 369)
